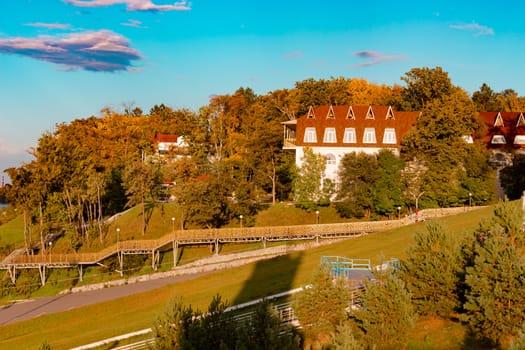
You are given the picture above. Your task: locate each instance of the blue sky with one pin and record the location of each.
(67, 59)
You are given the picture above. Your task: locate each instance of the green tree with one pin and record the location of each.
(388, 189)
(307, 182)
(512, 179)
(358, 174)
(170, 328)
(494, 302)
(487, 100)
(434, 271)
(387, 315)
(344, 338)
(320, 307)
(264, 331)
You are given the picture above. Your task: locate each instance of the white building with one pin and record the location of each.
(334, 131)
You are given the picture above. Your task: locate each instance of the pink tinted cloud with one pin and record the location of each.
(49, 25)
(98, 51)
(133, 23)
(132, 5)
(374, 57)
(293, 54)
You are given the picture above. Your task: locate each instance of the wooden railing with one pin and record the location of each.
(208, 235)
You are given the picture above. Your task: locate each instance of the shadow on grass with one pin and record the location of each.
(276, 275)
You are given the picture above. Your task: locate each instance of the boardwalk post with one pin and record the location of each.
(12, 273)
(80, 273)
(175, 252)
(42, 271)
(216, 246)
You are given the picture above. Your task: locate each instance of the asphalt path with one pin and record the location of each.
(32, 308)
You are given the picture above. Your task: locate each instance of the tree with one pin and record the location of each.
(434, 271)
(344, 339)
(494, 302)
(388, 189)
(487, 100)
(142, 181)
(387, 314)
(424, 85)
(265, 331)
(358, 174)
(170, 327)
(308, 180)
(512, 179)
(320, 307)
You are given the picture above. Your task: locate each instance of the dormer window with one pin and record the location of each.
(330, 114)
(310, 135)
(499, 120)
(369, 136)
(349, 136)
(521, 121)
(311, 113)
(498, 140)
(519, 140)
(389, 137)
(350, 114)
(370, 113)
(390, 114)
(329, 135)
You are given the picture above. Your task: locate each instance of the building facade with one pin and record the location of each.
(334, 131)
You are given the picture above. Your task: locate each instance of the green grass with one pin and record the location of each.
(105, 320)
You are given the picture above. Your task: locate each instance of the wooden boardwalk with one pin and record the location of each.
(176, 239)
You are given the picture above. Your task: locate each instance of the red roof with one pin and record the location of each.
(506, 124)
(168, 138)
(357, 117)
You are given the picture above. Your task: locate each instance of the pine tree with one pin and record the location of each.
(495, 303)
(433, 271)
(387, 314)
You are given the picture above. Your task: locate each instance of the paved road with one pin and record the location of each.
(48, 305)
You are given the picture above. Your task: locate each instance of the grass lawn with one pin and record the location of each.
(93, 323)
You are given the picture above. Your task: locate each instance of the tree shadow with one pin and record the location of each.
(277, 275)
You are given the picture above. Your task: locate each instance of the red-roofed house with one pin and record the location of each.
(504, 135)
(334, 131)
(164, 143)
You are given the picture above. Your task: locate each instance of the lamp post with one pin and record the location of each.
(317, 216)
(173, 224)
(118, 234)
(470, 199)
(240, 218)
(399, 212)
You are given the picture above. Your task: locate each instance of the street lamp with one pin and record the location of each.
(172, 224)
(399, 212)
(240, 217)
(118, 234)
(470, 199)
(317, 216)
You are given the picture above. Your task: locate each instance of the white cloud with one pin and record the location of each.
(374, 57)
(102, 51)
(474, 27)
(132, 5)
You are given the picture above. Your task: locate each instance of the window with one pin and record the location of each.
(329, 135)
(499, 120)
(349, 136)
(311, 113)
(389, 136)
(330, 114)
(370, 113)
(369, 136)
(498, 140)
(310, 135)
(390, 114)
(519, 140)
(467, 138)
(350, 114)
(330, 159)
(521, 120)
